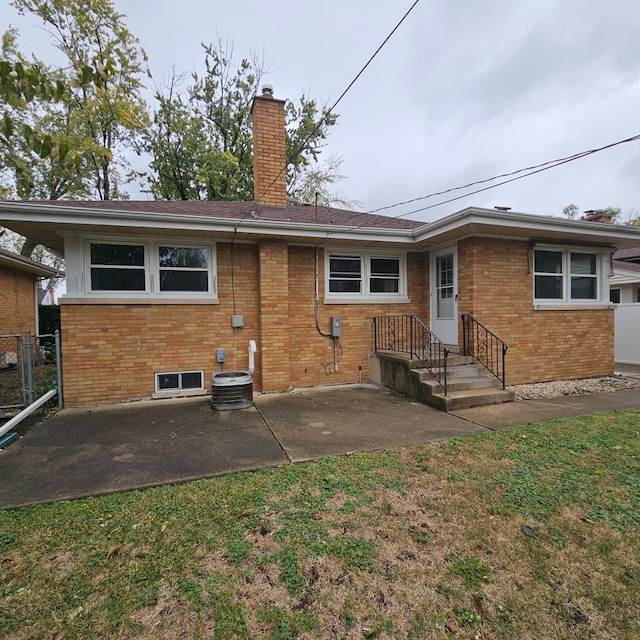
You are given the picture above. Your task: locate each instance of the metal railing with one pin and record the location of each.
(408, 334)
(484, 347)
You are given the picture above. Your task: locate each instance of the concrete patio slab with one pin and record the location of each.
(98, 450)
(340, 420)
(88, 452)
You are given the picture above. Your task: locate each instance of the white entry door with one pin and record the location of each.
(444, 295)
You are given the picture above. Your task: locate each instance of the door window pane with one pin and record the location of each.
(445, 286)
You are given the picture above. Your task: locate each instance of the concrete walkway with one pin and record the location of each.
(93, 451)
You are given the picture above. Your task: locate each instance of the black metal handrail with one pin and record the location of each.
(484, 347)
(408, 334)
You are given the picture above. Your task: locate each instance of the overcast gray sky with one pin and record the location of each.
(463, 91)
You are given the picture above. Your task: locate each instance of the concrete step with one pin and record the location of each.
(468, 385)
(456, 400)
(463, 384)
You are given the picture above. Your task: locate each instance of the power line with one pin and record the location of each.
(342, 95)
(538, 168)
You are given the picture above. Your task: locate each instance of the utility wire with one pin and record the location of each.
(335, 104)
(538, 168)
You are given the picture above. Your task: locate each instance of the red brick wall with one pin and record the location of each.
(495, 285)
(17, 301)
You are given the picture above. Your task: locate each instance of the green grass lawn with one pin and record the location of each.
(532, 532)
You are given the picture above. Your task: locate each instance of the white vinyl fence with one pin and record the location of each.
(627, 344)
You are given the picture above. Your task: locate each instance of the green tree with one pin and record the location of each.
(30, 95)
(184, 163)
(201, 143)
(109, 111)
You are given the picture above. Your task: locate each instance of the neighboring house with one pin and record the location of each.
(625, 292)
(625, 281)
(155, 288)
(47, 297)
(19, 292)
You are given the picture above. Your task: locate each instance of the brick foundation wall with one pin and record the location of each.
(17, 302)
(495, 285)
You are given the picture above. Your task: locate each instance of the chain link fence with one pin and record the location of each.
(30, 366)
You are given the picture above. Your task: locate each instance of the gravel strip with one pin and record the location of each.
(573, 387)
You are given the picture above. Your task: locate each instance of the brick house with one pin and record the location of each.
(155, 288)
(19, 292)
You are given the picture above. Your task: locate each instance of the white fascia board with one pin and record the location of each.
(527, 222)
(247, 225)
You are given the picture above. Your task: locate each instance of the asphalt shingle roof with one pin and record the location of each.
(296, 213)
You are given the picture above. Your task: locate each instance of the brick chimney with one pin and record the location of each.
(269, 154)
(598, 216)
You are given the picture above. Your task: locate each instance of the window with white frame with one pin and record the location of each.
(117, 267)
(364, 275)
(565, 275)
(179, 381)
(151, 268)
(183, 269)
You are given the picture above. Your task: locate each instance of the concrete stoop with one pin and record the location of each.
(468, 384)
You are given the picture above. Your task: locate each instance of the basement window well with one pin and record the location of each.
(174, 381)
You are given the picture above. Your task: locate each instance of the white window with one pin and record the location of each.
(173, 381)
(117, 267)
(183, 269)
(151, 268)
(568, 276)
(365, 277)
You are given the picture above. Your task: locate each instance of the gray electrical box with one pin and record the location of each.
(237, 321)
(220, 355)
(335, 327)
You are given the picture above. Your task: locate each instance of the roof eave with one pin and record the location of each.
(531, 226)
(21, 263)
